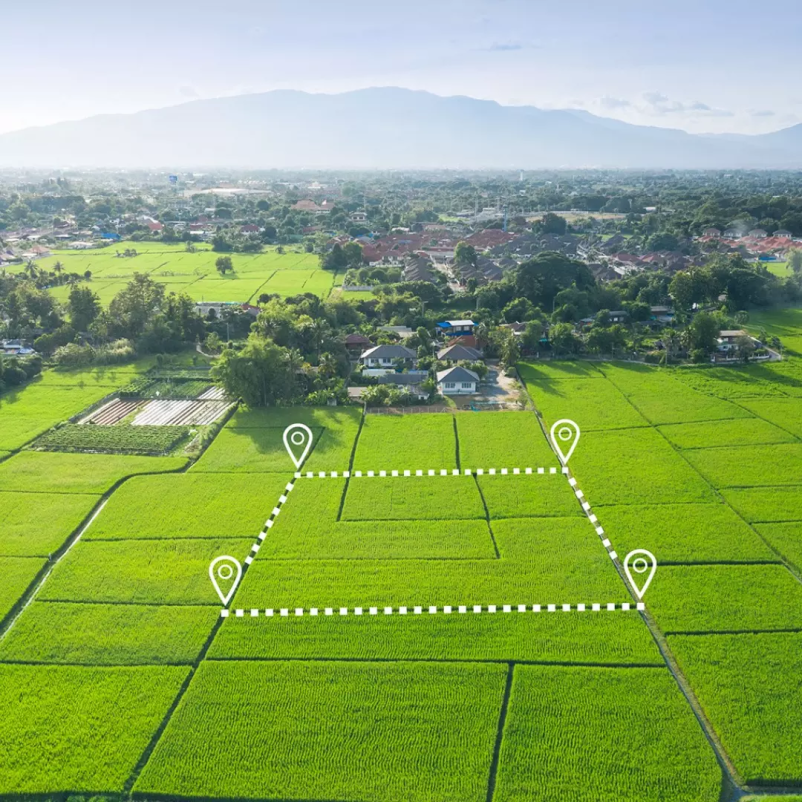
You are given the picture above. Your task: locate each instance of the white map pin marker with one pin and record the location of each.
(644, 564)
(565, 436)
(298, 440)
(225, 573)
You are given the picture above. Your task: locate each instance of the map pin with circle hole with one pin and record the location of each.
(565, 436)
(225, 573)
(298, 441)
(639, 566)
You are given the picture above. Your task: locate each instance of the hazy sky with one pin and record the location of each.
(701, 65)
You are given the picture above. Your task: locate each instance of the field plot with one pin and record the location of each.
(253, 441)
(661, 399)
(36, 524)
(750, 466)
(17, 573)
(685, 533)
(726, 598)
(739, 432)
(409, 442)
(309, 528)
(787, 539)
(26, 412)
(545, 495)
(602, 735)
(765, 505)
(170, 572)
(36, 471)
(195, 273)
(188, 506)
(632, 466)
(554, 371)
(107, 634)
(543, 561)
(786, 413)
(590, 638)
(442, 498)
(596, 404)
(423, 732)
(749, 688)
(81, 729)
(502, 440)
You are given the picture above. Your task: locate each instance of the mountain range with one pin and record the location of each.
(382, 128)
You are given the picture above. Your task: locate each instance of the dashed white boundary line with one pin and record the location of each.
(285, 612)
(429, 472)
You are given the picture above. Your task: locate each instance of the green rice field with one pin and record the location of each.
(423, 638)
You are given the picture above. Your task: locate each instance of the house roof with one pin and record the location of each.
(732, 333)
(388, 352)
(454, 323)
(457, 374)
(456, 353)
(356, 339)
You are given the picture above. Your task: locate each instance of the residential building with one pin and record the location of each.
(356, 343)
(458, 353)
(453, 328)
(387, 356)
(456, 381)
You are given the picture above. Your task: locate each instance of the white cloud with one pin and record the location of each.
(659, 104)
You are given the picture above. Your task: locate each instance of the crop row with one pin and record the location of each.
(114, 439)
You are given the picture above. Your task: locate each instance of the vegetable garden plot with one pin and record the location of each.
(308, 529)
(111, 413)
(741, 432)
(113, 439)
(602, 735)
(37, 524)
(82, 729)
(43, 472)
(188, 506)
(408, 442)
(749, 688)
(180, 413)
(633, 465)
(685, 533)
(764, 504)
(787, 539)
(598, 404)
(137, 572)
(544, 561)
(746, 466)
(593, 638)
(784, 412)
(113, 634)
(502, 439)
(726, 598)
(18, 573)
(375, 732)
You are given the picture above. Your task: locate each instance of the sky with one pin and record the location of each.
(704, 66)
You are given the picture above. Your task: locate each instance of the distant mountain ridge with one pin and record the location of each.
(382, 128)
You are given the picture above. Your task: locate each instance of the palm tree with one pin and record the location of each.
(30, 268)
(670, 341)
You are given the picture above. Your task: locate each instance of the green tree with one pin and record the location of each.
(224, 264)
(702, 333)
(795, 261)
(552, 223)
(83, 306)
(353, 254)
(563, 340)
(261, 374)
(133, 307)
(335, 259)
(465, 255)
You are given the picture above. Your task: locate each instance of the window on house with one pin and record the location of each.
(449, 385)
(466, 385)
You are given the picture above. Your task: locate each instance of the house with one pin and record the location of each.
(359, 217)
(728, 339)
(783, 233)
(456, 381)
(305, 206)
(733, 233)
(458, 353)
(619, 316)
(452, 328)
(758, 233)
(356, 343)
(386, 356)
(249, 228)
(661, 314)
(15, 348)
(713, 233)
